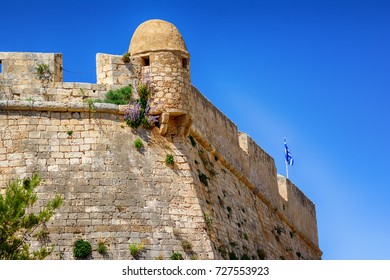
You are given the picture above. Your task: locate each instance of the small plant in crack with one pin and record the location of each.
(102, 248)
(261, 254)
(203, 178)
(233, 256)
(176, 256)
(207, 218)
(126, 57)
(279, 230)
(169, 159)
(186, 245)
(138, 144)
(135, 249)
(192, 140)
(44, 75)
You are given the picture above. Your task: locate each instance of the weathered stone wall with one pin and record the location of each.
(115, 193)
(298, 208)
(120, 195)
(111, 70)
(112, 191)
(243, 225)
(71, 92)
(18, 78)
(244, 156)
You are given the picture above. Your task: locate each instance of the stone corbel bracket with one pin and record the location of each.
(181, 119)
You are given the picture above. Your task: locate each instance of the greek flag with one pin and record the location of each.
(288, 157)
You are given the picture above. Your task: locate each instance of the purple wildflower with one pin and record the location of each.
(151, 120)
(133, 115)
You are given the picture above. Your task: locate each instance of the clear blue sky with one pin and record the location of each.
(316, 72)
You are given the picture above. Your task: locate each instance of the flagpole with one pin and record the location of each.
(286, 169)
(287, 157)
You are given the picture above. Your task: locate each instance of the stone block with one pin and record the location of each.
(53, 168)
(64, 148)
(62, 161)
(34, 134)
(75, 161)
(74, 155)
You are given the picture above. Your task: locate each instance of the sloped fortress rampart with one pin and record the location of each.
(222, 195)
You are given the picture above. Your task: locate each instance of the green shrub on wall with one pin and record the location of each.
(169, 159)
(121, 96)
(102, 248)
(138, 144)
(176, 256)
(126, 58)
(135, 249)
(82, 249)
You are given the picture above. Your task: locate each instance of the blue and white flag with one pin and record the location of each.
(288, 157)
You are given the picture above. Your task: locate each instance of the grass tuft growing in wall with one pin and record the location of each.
(203, 178)
(192, 140)
(261, 254)
(135, 249)
(186, 245)
(176, 256)
(126, 57)
(138, 144)
(102, 248)
(169, 159)
(207, 219)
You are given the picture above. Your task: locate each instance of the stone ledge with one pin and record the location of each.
(16, 105)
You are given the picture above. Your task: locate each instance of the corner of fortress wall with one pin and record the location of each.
(251, 167)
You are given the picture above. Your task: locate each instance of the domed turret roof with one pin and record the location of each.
(156, 35)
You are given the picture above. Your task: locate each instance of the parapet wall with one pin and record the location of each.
(111, 70)
(298, 208)
(18, 80)
(237, 148)
(251, 165)
(18, 73)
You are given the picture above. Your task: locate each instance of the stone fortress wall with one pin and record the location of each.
(113, 192)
